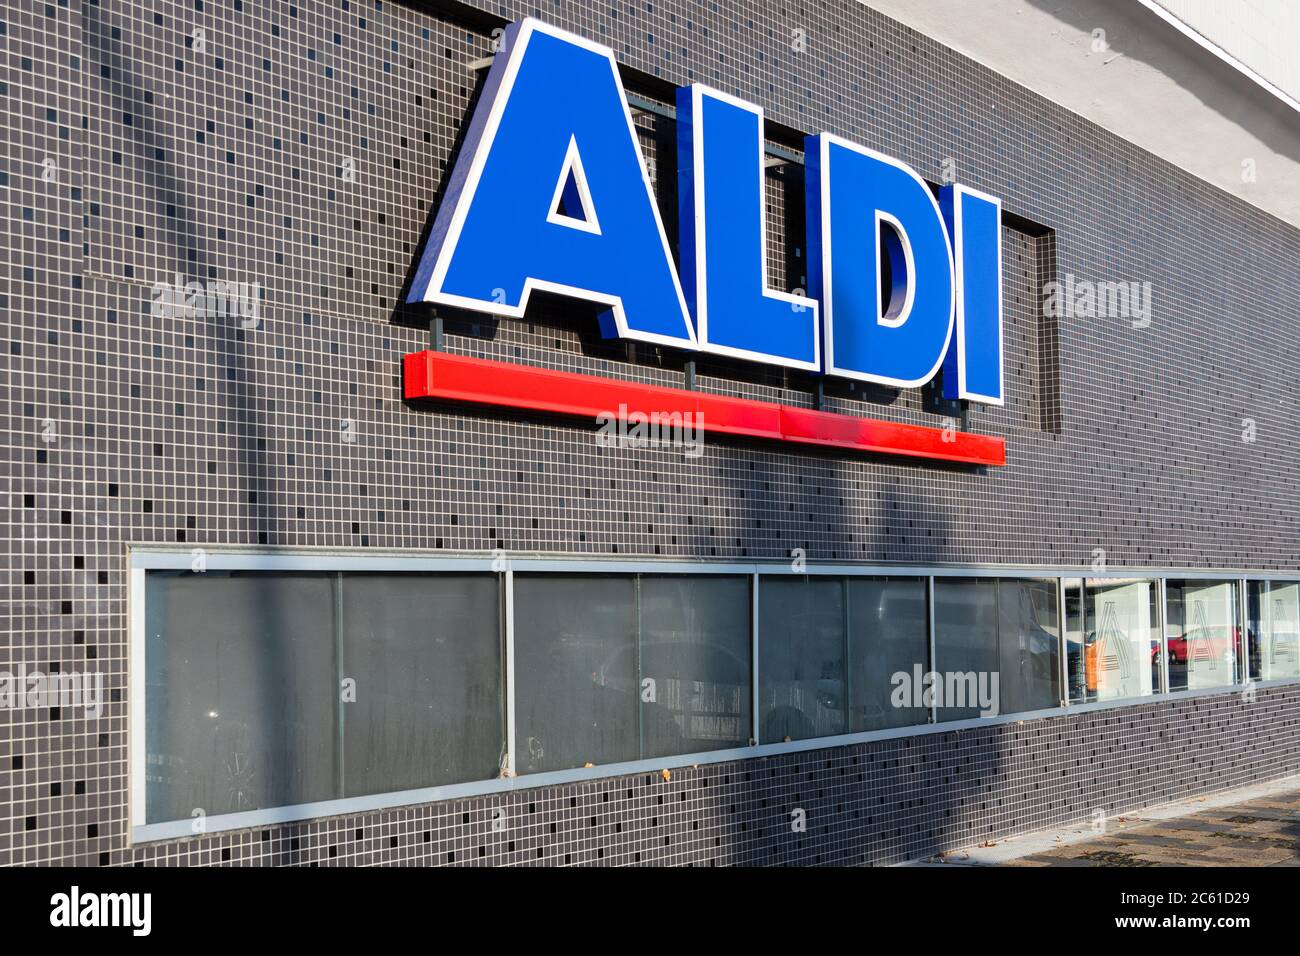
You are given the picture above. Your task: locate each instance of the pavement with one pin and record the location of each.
(1251, 826)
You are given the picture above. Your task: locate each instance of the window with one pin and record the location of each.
(360, 682)
(996, 646)
(1112, 638)
(801, 635)
(1201, 633)
(696, 675)
(831, 650)
(1029, 644)
(425, 655)
(613, 668)
(576, 671)
(889, 646)
(278, 689)
(241, 693)
(1273, 626)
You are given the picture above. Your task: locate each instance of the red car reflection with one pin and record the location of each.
(1204, 644)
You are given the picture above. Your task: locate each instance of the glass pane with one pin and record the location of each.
(1029, 657)
(575, 671)
(242, 698)
(695, 670)
(889, 648)
(966, 647)
(1201, 633)
(424, 653)
(1075, 633)
(997, 646)
(801, 658)
(1274, 629)
(1121, 647)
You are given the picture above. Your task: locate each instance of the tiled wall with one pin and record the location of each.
(302, 146)
(876, 804)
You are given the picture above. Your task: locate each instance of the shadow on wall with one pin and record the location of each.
(946, 777)
(890, 800)
(422, 314)
(147, 142)
(1139, 34)
(912, 527)
(869, 813)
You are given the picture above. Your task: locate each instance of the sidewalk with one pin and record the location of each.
(1252, 826)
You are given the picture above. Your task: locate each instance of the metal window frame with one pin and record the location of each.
(1134, 574)
(508, 603)
(933, 717)
(1238, 580)
(1063, 645)
(754, 643)
(1243, 635)
(144, 558)
(1164, 630)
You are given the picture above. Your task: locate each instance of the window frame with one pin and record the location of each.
(1236, 631)
(1245, 612)
(144, 558)
(1162, 631)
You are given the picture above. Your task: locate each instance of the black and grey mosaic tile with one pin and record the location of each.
(301, 146)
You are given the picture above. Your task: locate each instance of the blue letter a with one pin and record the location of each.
(551, 192)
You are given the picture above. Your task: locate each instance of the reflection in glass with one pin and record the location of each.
(997, 646)
(695, 676)
(1274, 629)
(1113, 638)
(575, 671)
(888, 636)
(272, 689)
(1201, 633)
(801, 658)
(612, 668)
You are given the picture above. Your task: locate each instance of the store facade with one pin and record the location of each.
(398, 526)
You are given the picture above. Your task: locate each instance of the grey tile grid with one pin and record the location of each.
(226, 155)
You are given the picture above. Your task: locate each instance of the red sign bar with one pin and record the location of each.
(460, 378)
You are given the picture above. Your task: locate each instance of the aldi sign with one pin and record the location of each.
(551, 193)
